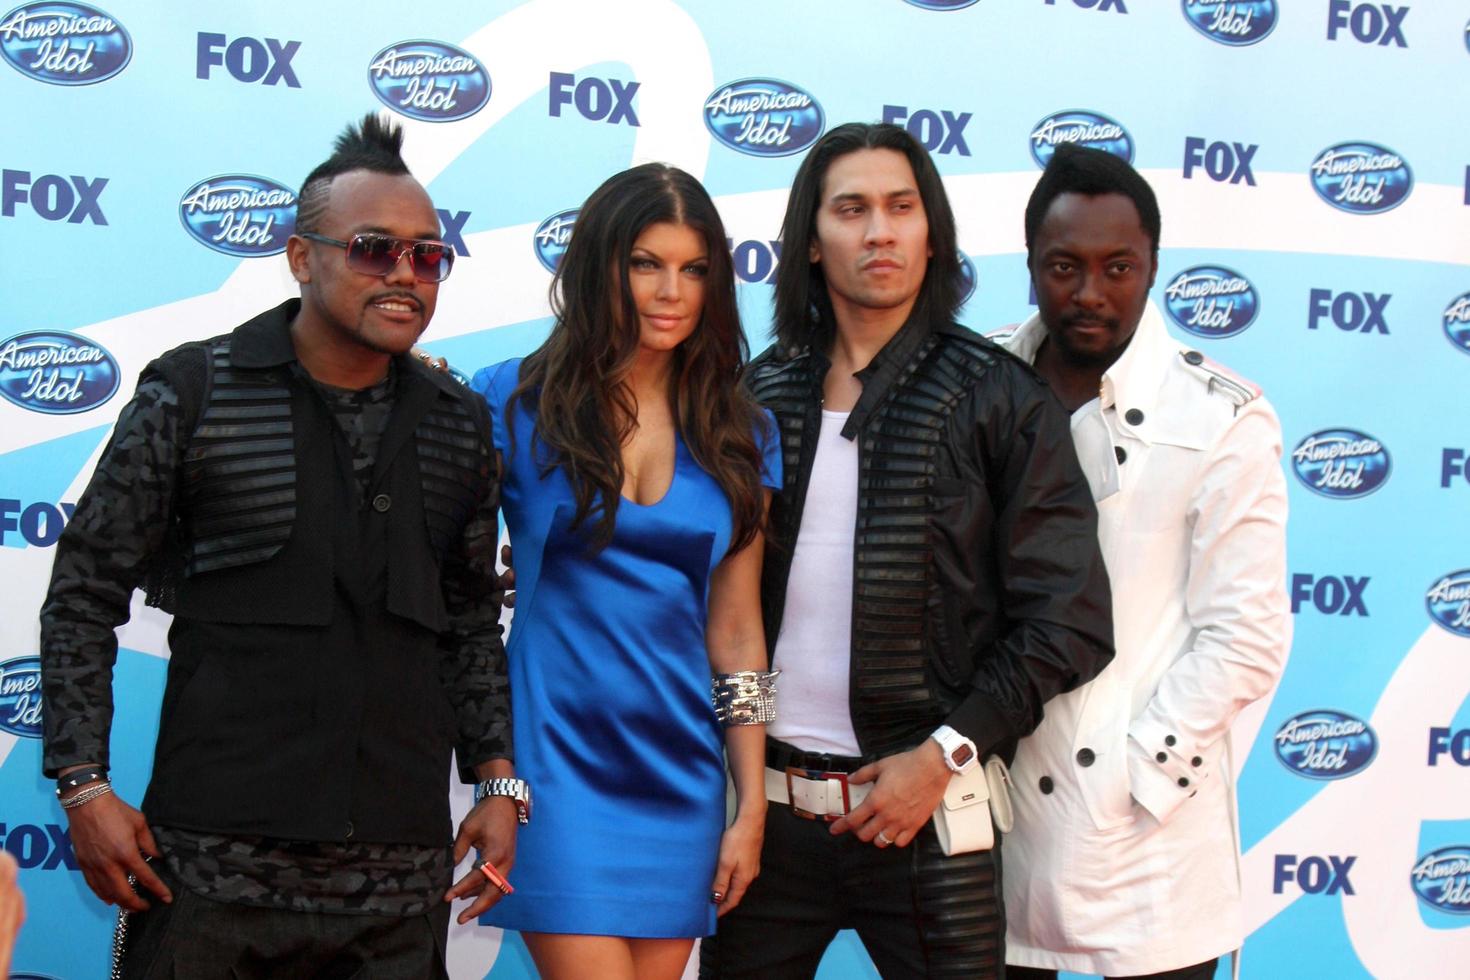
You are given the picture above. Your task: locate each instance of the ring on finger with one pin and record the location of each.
(882, 839)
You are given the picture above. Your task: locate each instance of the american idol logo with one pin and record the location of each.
(1361, 178)
(1325, 744)
(941, 4)
(1457, 322)
(240, 214)
(1341, 463)
(1448, 602)
(1441, 879)
(1212, 301)
(763, 117)
(1233, 22)
(56, 373)
(552, 236)
(429, 80)
(968, 278)
(1090, 129)
(20, 696)
(64, 43)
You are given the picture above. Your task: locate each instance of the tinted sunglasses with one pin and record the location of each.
(378, 255)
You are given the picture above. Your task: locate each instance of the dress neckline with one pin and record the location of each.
(673, 479)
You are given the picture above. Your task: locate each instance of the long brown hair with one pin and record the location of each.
(577, 378)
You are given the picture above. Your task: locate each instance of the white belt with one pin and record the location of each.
(814, 794)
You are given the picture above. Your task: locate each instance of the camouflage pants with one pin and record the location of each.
(196, 938)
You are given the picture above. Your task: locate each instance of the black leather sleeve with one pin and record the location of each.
(1055, 604)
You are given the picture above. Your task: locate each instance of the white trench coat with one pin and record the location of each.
(1125, 854)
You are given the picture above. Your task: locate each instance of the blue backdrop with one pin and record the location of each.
(1315, 188)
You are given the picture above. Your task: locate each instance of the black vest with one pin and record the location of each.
(304, 698)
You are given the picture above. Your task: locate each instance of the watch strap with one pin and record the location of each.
(518, 790)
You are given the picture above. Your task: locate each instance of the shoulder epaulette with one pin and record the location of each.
(1220, 379)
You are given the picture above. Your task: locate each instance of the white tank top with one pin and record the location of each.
(814, 649)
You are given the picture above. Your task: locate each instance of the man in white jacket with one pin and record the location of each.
(1124, 859)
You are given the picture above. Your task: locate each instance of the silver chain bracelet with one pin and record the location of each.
(87, 795)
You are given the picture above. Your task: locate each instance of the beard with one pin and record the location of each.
(1087, 356)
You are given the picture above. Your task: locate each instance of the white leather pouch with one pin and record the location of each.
(962, 821)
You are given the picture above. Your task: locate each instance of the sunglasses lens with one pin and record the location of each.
(378, 255)
(432, 261)
(374, 255)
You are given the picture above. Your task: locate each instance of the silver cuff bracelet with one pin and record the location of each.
(746, 697)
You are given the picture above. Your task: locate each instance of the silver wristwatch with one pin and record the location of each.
(517, 789)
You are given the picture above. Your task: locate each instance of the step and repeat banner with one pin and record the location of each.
(1312, 163)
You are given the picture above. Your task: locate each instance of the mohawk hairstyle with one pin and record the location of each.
(1082, 170)
(375, 145)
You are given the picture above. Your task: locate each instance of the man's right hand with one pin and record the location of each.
(109, 839)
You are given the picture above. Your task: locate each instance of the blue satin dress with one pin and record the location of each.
(610, 688)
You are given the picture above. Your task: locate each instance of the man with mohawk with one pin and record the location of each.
(317, 509)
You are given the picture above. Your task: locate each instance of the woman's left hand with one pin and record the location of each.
(740, 860)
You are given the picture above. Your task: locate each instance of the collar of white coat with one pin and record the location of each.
(1132, 382)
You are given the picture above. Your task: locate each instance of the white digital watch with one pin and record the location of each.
(959, 752)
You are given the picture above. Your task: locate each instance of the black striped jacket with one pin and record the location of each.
(978, 588)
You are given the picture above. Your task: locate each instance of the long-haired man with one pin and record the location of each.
(933, 576)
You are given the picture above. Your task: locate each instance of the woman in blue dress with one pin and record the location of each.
(635, 484)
